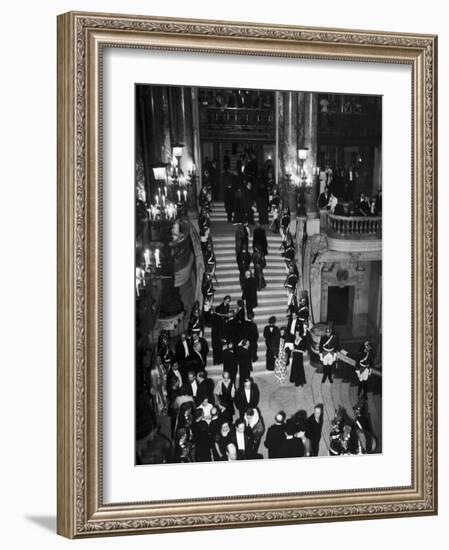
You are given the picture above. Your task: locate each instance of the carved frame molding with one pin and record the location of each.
(81, 38)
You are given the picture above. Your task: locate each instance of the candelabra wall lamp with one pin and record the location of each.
(181, 185)
(148, 272)
(304, 180)
(162, 208)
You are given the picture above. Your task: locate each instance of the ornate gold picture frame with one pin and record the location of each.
(82, 38)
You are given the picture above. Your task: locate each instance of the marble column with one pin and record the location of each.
(153, 128)
(377, 170)
(307, 138)
(297, 128)
(181, 117)
(183, 130)
(160, 145)
(196, 144)
(287, 147)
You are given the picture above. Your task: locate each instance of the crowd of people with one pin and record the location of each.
(364, 206)
(219, 421)
(222, 420)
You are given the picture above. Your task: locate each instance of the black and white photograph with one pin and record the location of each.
(258, 260)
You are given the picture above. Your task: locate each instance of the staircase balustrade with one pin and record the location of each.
(354, 227)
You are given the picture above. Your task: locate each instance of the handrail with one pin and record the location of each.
(355, 218)
(354, 226)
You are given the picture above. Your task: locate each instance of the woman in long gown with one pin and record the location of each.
(158, 380)
(259, 264)
(281, 362)
(297, 374)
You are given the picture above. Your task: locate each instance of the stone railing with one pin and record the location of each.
(354, 227)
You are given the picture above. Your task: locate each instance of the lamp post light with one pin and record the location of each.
(160, 172)
(177, 172)
(302, 175)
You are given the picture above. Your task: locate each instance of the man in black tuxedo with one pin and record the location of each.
(229, 193)
(272, 337)
(293, 325)
(191, 386)
(216, 325)
(214, 428)
(201, 437)
(203, 346)
(247, 396)
(314, 426)
(362, 206)
(263, 202)
(183, 348)
(260, 239)
(243, 440)
(248, 201)
(323, 199)
(232, 329)
(195, 360)
(240, 316)
(275, 437)
(249, 292)
(291, 447)
(243, 263)
(230, 361)
(251, 333)
(174, 380)
(205, 388)
(241, 238)
(223, 310)
(244, 360)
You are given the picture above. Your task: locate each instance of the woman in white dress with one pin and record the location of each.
(281, 362)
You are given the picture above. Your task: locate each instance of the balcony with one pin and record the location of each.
(237, 123)
(354, 233)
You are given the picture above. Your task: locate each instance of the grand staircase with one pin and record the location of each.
(272, 300)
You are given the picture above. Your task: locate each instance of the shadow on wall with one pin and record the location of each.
(46, 522)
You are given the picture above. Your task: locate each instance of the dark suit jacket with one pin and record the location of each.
(180, 351)
(240, 318)
(251, 332)
(230, 363)
(298, 325)
(313, 428)
(171, 377)
(204, 349)
(249, 445)
(260, 239)
(205, 389)
(274, 440)
(272, 339)
(232, 329)
(249, 293)
(242, 403)
(201, 436)
(245, 362)
(187, 388)
(193, 362)
(291, 448)
(243, 260)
